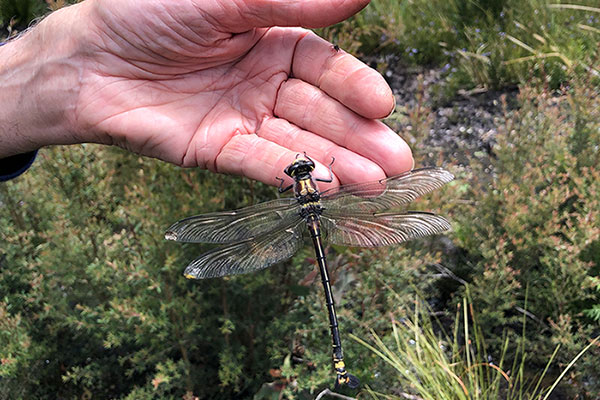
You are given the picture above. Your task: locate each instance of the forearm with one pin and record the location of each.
(39, 84)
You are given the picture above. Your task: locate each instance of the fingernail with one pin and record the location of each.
(321, 171)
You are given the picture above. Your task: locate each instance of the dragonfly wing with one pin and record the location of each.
(249, 255)
(235, 226)
(384, 194)
(381, 229)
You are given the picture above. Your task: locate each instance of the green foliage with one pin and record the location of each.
(21, 12)
(480, 43)
(594, 311)
(431, 365)
(93, 297)
(536, 225)
(94, 303)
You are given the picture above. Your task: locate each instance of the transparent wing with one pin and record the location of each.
(382, 229)
(384, 194)
(249, 255)
(237, 225)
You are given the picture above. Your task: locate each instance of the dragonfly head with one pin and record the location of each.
(300, 168)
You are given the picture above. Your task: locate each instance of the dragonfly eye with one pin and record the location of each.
(299, 166)
(290, 170)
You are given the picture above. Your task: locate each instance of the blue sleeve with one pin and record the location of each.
(13, 166)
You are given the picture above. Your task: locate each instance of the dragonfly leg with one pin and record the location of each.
(330, 179)
(281, 189)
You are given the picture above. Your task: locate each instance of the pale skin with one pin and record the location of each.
(232, 86)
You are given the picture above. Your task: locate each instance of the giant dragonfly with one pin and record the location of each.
(259, 236)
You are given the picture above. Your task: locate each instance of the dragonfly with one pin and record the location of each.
(359, 214)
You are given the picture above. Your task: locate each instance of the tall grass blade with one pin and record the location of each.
(574, 7)
(546, 369)
(577, 357)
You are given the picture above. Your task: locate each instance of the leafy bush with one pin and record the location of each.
(19, 13)
(535, 226)
(90, 285)
(93, 301)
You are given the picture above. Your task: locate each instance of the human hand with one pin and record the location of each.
(214, 85)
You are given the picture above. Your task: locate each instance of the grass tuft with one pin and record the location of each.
(431, 365)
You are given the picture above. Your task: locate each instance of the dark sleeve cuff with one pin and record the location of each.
(13, 166)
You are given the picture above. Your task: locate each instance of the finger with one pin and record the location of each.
(241, 16)
(349, 167)
(257, 158)
(343, 77)
(311, 109)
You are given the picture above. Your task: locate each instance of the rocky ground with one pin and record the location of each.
(456, 129)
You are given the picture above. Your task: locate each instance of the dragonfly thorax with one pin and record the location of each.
(306, 188)
(308, 196)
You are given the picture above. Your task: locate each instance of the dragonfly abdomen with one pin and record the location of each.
(343, 377)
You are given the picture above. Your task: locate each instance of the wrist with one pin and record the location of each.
(39, 85)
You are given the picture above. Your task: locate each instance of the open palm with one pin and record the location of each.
(213, 84)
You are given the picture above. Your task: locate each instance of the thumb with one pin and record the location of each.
(241, 16)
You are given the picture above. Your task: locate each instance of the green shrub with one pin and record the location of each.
(535, 225)
(20, 12)
(88, 282)
(93, 302)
